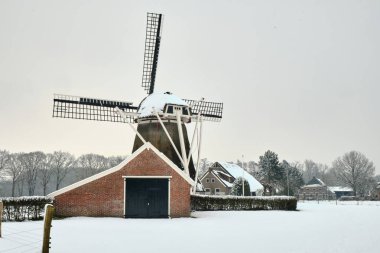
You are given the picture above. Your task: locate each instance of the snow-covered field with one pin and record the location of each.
(324, 227)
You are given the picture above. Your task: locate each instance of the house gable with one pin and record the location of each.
(147, 146)
(104, 194)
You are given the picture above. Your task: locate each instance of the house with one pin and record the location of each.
(315, 189)
(147, 184)
(340, 191)
(219, 179)
(377, 192)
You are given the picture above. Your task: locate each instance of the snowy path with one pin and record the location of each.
(322, 227)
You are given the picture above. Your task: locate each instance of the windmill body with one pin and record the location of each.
(161, 117)
(166, 105)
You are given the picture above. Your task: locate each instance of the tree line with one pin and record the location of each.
(353, 169)
(41, 173)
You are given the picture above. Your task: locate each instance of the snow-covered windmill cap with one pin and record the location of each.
(156, 102)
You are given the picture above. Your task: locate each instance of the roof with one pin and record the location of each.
(315, 180)
(225, 182)
(312, 186)
(236, 171)
(339, 189)
(147, 146)
(157, 101)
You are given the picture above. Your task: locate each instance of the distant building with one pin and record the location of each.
(315, 189)
(377, 191)
(219, 179)
(340, 191)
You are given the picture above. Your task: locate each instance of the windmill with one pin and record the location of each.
(161, 117)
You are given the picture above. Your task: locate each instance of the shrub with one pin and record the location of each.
(211, 203)
(24, 208)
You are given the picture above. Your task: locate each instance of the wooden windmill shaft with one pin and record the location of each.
(154, 133)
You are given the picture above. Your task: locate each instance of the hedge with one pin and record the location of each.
(24, 208)
(212, 203)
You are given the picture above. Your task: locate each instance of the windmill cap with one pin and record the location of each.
(156, 102)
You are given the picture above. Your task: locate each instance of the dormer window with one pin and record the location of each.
(170, 109)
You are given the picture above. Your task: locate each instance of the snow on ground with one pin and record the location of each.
(324, 227)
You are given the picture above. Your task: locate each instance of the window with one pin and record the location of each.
(207, 189)
(170, 109)
(212, 180)
(217, 190)
(207, 180)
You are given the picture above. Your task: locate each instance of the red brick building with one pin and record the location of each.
(146, 184)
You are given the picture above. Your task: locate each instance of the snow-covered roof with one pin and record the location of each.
(236, 171)
(228, 184)
(222, 173)
(157, 101)
(312, 186)
(339, 189)
(315, 180)
(322, 183)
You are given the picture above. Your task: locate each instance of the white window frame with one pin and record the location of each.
(212, 180)
(209, 189)
(217, 189)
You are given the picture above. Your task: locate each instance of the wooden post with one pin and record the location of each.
(49, 212)
(1, 214)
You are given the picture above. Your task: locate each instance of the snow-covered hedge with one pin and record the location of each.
(210, 203)
(24, 208)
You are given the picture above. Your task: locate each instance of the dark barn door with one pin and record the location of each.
(146, 198)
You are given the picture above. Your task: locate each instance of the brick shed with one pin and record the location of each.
(145, 185)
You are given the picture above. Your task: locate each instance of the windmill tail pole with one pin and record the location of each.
(168, 135)
(182, 142)
(192, 143)
(124, 116)
(199, 152)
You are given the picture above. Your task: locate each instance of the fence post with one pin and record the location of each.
(49, 212)
(1, 214)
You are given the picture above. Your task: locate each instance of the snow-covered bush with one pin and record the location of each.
(210, 203)
(24, 208)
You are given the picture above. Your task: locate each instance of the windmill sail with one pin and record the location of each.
(152, 46)
(74, 107)
(211, 111)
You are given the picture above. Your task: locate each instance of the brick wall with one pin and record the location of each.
(105, 196)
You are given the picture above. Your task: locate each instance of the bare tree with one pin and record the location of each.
(61, 164)
(90, 164)
(21, 183)
(112, 161)
(319, 170)
(45, 172)
(204, 164)
(355, 170)
(4, 160)
(32, 163)
(14, 169)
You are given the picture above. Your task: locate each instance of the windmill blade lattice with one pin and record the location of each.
(152, 46)
(74, 107)
(211, 111)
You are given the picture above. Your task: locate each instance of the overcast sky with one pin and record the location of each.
(300, 78)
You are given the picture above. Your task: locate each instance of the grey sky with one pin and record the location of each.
(300, 78)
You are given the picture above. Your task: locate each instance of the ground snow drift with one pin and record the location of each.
(324, 227)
